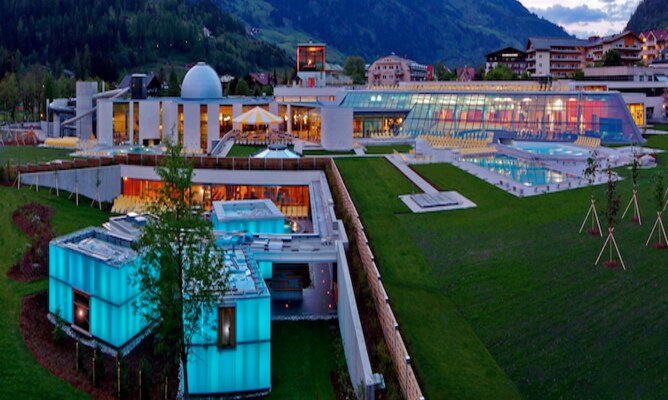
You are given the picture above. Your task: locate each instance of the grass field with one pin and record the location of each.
(244, 151)
(515, 274)
(21, 376)
(31, 154)
(302, 358)
(388, 149)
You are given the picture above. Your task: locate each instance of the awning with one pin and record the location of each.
(257, 116)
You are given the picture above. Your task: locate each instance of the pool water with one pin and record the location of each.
(525, 172)
(549, 149)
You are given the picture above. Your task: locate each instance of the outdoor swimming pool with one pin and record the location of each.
(549, 149)
(524, 172)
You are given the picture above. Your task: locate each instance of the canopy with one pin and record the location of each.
(276, 151)
(257, 116)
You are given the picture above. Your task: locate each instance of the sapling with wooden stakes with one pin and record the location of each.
(660, 200)
(611, 211)
(590, 173)
(635, 171)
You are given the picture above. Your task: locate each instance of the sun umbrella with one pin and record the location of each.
(257, 116)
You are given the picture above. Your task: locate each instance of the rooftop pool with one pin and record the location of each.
(561, 150)
(524, 172)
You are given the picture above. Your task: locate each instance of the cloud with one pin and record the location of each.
(568, 15)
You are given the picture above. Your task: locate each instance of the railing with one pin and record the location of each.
(199, 161)
(393, 339)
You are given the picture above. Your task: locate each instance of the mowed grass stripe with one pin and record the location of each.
(449, 357)
(525, 280)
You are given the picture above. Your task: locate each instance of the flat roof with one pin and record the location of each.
(246, 210)
(244, 278)
(99, 244)
(219, 100)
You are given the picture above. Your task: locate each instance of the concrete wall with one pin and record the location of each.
(149, 120)
(170, 121)
(85, 92)
(354, 347)
(105, 122)
(213, 125)
(82, 179)
(337, 128)
(191, 126)
(542, 63)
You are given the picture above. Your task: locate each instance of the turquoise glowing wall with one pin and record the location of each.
(266, 268)
(247, 366)
(112, 315)
(275, 225)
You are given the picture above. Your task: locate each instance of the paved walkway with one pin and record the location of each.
(410, 174)
(226, 148)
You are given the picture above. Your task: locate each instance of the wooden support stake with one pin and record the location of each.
(636, 207)
(595, 223)
(661, 229)
(610, 241)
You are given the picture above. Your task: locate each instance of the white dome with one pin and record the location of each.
(201, 82)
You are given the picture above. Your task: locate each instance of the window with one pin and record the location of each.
(227, 327)
(81, 311)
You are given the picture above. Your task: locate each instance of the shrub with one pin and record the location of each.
(144, 379)
(121, 386)
(58, 335)
(98, 367)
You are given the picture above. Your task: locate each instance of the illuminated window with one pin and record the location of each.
(81, 311)
(203, 127)
(180, 129)
(135, 123)
(227, 327)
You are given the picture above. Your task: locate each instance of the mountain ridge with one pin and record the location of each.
(650, 14)
(455, 31)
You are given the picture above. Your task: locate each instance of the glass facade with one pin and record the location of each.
(292, 201)
(548, 116)
(120, 113)
(92, 294)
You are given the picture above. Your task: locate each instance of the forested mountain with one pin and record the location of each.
(98, 38)
(650, 14)
(455, 31)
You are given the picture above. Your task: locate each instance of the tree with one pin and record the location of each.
(353, 66)
(593, 165)
(173, 82)
(578, 75)
(660, 202)
(612, 58)
(501, 73)
(242, 88)
(9, 94)
(611, 212)
(179, 270)
(268, 90)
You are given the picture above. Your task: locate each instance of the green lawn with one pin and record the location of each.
(661, 127)
(511, 284)
(302, 357)
(244, 151)
(388, 149)
(21, 376)
(31, 154)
